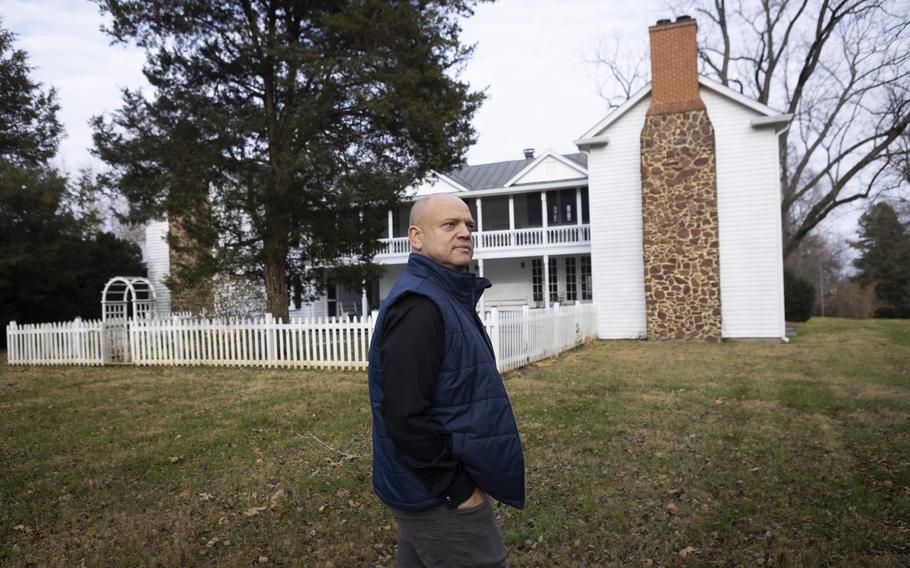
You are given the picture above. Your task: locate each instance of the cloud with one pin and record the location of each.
(530, 55)
(69, 52)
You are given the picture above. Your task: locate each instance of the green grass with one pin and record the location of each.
(750, 453)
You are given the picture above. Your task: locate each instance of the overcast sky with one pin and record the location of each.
(531, 57)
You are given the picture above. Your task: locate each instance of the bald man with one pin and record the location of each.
(444, 436)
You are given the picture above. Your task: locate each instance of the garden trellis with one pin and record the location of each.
(121, 297)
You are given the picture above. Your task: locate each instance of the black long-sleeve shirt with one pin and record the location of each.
(412, 347)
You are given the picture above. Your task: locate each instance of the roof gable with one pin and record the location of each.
(549, 166)
(598, 129)
(435, 183)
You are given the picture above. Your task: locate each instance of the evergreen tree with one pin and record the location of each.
(299, 122)
(884, 248)
(53, 264)
(29, 129)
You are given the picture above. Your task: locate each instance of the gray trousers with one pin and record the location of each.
(449, 537)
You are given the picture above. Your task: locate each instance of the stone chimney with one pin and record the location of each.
(679, 194)
(190, 236)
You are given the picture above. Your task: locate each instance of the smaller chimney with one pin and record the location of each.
(674, 66)
(529, 153)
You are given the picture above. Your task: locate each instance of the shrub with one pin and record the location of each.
(851, 300)
(799, 297)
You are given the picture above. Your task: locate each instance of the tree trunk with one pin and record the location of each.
(276, 264)
(275, 255)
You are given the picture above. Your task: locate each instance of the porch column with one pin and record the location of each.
(391, 231)
(480, 304)
(543, 209)
(546, 281)
(479, 214)
(511, 221)
(578, 204)
(364, 304)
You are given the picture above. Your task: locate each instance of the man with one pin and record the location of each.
(444, 437)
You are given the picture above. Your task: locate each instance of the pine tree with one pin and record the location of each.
(300, 123)
(53, 264)
(884, 248)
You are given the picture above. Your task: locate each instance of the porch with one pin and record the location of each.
(535, 281)
(506, 243)
(513, 225)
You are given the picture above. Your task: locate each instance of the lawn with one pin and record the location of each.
(638, 454)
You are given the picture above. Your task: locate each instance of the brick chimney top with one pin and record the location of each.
(674, 66)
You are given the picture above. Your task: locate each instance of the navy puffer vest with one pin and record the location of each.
(470, 401)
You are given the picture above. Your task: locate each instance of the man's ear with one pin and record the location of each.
(415, 236)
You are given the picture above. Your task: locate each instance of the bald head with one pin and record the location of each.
(425, 205)
(440, 228)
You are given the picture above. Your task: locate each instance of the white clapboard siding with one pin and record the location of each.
(614, 191)
(74, 342)
(158, 263)
(318, 308)
(749, 222)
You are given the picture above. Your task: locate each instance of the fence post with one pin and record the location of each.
(178, 339)
(525, 331)
(373, 315)
(12, 340)
(579, 339)
(495, 336)
(269, 339)
(78, 336)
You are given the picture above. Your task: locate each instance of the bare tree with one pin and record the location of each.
(820, 260)
(842, 68)
(618, 69)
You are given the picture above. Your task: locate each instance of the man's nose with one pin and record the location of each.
(464, 232)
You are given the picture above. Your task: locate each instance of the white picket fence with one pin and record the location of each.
(74, 342)
(519, 337)
(336, 343)
(534, 334)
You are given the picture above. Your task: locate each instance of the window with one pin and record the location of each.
(571, 287)
(495, 213)
(400, 218)
(472, 207)
(561, 206)
(527, 210)
(586, 283)
(537, 279)
(554, 281)
(585, 215)
(331, 294)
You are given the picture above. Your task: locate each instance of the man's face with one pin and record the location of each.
(443, 232)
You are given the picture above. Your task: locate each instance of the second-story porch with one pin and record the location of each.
(510, 226)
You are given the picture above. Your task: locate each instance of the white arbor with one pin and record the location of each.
(119, 295)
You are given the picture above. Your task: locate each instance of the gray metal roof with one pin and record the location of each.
(496, 174)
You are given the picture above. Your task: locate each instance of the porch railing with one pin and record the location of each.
(508, 238)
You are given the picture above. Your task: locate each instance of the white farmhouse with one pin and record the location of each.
(667, 219)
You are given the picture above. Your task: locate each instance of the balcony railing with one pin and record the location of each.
(539, 237)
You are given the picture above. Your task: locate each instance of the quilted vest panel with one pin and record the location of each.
(470, 402)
